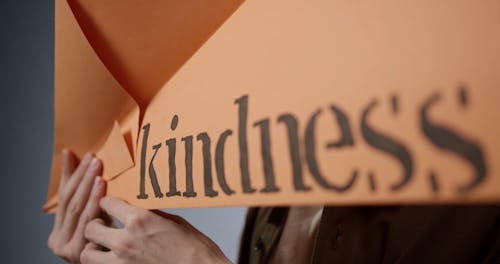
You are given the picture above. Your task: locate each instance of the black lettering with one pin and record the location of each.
(219, 162)
(267, 159)
(462, 96)
(372, 182)
(142, 186)
(172, 174)
(394, 104)
(188, 143)
(434, 182)
(152, 173)
(207, 164)
(449, 140)
(312, 162)
(346, 139)
(174, 122)
(242, 141)
(387, 145)
(293, 141)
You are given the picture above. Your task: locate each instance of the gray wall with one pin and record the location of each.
(26, 79)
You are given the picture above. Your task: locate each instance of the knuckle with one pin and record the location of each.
(124, 248)
(68, 254)
(88, 231)
(65, 194)
(74, 208)
(51, 243)
(84, 219)
(55, 248)
(84, 256)
(74, 257)
(89, 227)
(137, 220)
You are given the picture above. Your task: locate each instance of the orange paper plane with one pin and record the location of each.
(258, 103)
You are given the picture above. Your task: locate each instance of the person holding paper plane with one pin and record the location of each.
(350, 113)
(410, 234)
(79, 235)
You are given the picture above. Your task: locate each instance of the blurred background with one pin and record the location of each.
(26, 121)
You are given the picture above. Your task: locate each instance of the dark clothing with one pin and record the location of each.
(397, 234)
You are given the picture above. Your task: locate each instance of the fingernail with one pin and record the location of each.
(64, 155)
(86, 157)
(94, 163)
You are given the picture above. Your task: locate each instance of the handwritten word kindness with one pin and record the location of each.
(441, 136)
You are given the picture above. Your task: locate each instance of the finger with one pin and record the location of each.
(174, 218)
(73, 182)
(83, 188)
(117, 208)
(92, 254)
(98, 233)
(80, 198)
(183, 222)
(91, 211)
(70, 161)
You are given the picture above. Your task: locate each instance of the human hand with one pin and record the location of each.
(80, 190)
(147, 237)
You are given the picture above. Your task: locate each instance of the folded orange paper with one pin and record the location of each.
(259, 103)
